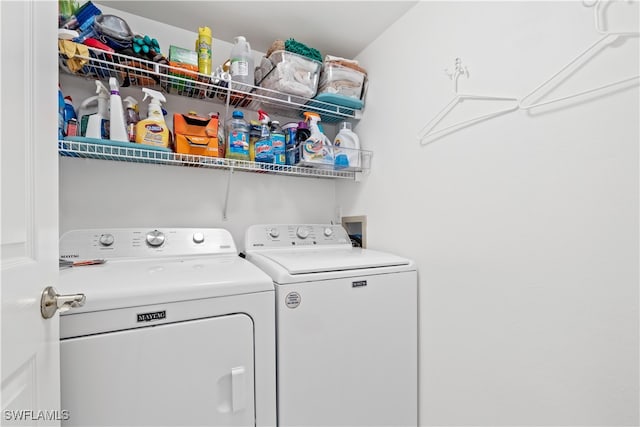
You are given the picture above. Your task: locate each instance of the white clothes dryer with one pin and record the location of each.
(177, 330)
(347, 327)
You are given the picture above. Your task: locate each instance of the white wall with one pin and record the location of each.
(525, 227)
(96, 193)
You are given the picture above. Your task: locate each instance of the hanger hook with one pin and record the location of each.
(458, 71)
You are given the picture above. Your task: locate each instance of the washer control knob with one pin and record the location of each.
(274, 232)
(328, 231)
(198, 237)
(302, 232)
(106, 239)
(155, 238)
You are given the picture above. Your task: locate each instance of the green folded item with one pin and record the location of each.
(294, 46)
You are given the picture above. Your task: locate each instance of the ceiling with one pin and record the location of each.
(340, 28)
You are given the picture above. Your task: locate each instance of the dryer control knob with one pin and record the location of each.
(155, 238)
(328, 231)
(302, 232)
(106, 239)
(274, 232)
(198, 237)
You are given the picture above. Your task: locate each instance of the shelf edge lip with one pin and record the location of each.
(85, 150)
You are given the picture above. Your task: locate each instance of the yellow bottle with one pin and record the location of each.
(203, 47)
(153, 130)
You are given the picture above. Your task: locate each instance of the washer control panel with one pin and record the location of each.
(295, 235)
(144, 243)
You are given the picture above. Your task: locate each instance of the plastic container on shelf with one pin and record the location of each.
(290, 73)
(341, 80)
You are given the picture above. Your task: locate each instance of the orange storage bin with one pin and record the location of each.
(196, 135)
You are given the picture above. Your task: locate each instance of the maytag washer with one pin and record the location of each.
(347, 327)
(177, 330)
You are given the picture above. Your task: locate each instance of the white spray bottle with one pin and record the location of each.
(97, 124)
(117, 126)
(317, 148)
(153, 130)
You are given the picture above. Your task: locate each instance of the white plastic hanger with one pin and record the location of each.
(428, 135)
(607, 38)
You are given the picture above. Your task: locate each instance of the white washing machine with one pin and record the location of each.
(347, 327)
(177, 330)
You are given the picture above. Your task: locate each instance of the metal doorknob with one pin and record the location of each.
(52, 301)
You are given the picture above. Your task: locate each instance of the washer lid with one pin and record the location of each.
(308, 261)
(135, 282)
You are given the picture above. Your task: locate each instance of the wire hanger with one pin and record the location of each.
(608, 37)
(427, 133)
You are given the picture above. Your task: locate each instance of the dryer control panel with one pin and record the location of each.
(144, 243)
(295, 235)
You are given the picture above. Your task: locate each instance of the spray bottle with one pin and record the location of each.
(317, 148)
(132, 117)
(117, 126)
(263, 146)
(153, 130)
(278, 143)
(98, 127)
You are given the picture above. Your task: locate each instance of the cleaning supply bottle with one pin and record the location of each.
(70, 118)
(88, 107)
(241, 68)
(132, 116)
(153, 130)
(237, 137)
(203, 47)
(302, 134)
(290, 130)
(264, 149)
(60, 114)
(117, 126)
(98, 124)
(317, 148)
(255, 130)
(346, 147)
(278, 143)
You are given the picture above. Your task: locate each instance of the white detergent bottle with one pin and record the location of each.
(241, 68)
(346, 147)
(97, 126)
(117, 125)
(317, 149)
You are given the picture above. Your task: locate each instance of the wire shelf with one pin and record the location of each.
(153, 156)
(132, 71)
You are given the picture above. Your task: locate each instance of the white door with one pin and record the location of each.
(29, 216)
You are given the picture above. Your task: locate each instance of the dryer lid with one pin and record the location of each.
(136, 282)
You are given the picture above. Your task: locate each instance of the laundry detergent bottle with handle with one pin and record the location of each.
(153, 130)
(97, 126)
(241, 64)
(316, 150)
(346, 147)
(263, 146)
